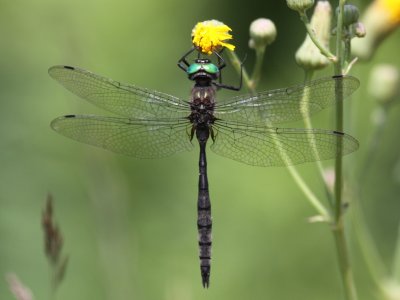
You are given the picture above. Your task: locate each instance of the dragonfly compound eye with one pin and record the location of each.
(206, 67)
(210, 68)
(193, 68)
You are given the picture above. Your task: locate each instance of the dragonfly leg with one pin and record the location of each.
(192, 131)
(212, 134)
(229, 87)
(221, 61)
(221, 64)
(182, 62)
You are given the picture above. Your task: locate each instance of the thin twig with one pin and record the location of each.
(338, 226)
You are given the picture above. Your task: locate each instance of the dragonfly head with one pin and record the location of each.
(202, 70)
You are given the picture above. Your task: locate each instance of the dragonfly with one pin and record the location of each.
(152, 124)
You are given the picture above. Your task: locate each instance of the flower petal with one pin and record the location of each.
(210, 36)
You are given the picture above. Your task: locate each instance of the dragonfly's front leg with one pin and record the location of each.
(213, 136)
(182, 62)
(229, 87)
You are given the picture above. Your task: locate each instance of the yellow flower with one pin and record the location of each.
(209, 36)
(381, 18)
(392, 8)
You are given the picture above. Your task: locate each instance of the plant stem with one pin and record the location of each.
(344, 263)
(53, 283)
(338, 226)
(255, 78)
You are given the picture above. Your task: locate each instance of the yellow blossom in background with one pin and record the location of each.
(380, 19)
(209, 36)
(392, 9)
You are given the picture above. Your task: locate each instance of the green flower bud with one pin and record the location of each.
(351, 14)
(359, 30)
(300, 5)
(384, 83)
(308, 56)
(262, 33)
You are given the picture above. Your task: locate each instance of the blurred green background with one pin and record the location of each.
(130, 225)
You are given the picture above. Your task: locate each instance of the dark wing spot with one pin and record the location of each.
(337, 76)
(68, 67)
(70, 116)
(338, 132)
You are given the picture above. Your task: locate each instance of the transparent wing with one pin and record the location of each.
(123, 99)
(266, 146)
(138, 138)
(287, 104)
